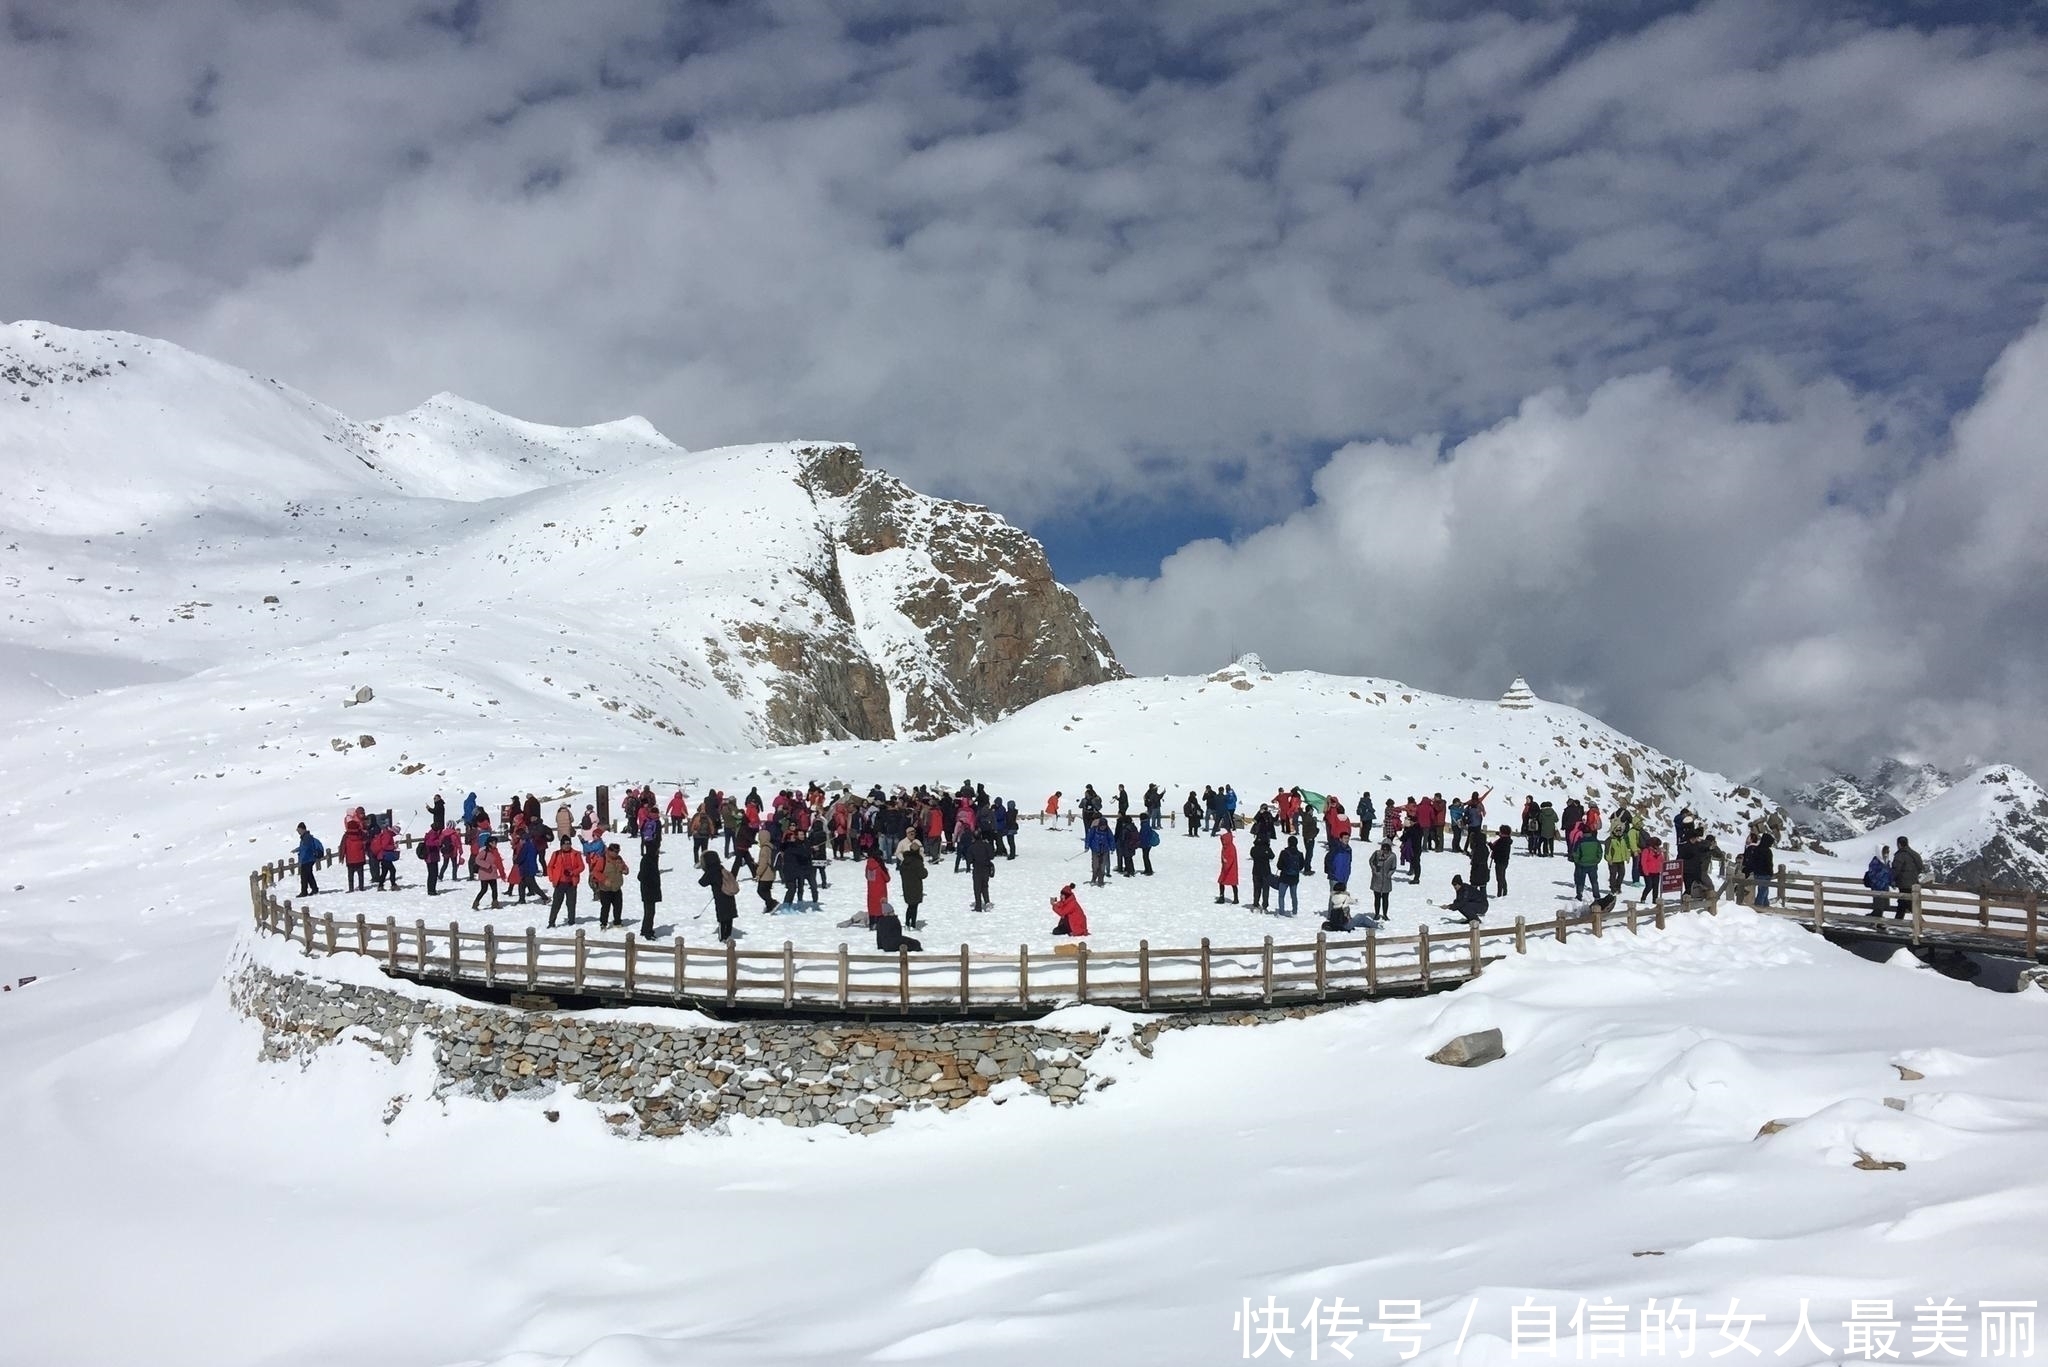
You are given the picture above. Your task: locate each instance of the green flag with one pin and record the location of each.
(1315, 802)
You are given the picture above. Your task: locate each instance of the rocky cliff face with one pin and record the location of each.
(958, 610)
(1845, 805)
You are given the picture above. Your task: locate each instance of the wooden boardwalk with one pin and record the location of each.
(722, 979)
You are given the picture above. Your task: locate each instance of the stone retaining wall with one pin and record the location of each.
(659, 1079)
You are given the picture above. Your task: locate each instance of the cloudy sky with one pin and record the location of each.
(1688, 359)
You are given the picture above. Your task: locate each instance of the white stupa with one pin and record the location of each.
(1518, 697)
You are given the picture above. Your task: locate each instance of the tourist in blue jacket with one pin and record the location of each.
(1340, 865)
(311, 852)
(1099, 843)
(526, 867)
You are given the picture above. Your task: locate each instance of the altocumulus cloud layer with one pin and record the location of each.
(1691, 292)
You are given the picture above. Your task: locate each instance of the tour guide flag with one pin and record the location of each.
(1315, 802)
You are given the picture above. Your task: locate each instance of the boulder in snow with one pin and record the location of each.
(1469, 1051)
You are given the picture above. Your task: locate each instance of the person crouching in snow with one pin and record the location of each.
(1073, 921)
(1226, 871)
(889, 936)
(1338, 917)
(1467, 899)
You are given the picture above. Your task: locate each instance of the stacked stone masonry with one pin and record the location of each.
(658, 1080)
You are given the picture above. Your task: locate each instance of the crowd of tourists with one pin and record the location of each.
(783, 848)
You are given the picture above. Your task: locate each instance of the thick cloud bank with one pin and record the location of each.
(1757, 574)
(1044, 255)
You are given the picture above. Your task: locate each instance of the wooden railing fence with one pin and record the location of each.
(1143, 978)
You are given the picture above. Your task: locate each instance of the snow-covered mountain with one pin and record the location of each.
(1260, 730)
(1988, 829)
(1845, 805)
(175, 516)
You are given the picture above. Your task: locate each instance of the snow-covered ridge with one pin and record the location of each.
(1989, 829)
(1847, 805)
(177, 515)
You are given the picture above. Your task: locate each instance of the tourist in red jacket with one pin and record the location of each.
(384, 859)
(878, 885)
(1066, 906)
(565, 870)
(355, 852)
(489, 871)
(1226, 871)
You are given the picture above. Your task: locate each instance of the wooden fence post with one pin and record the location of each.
(454, 949)
(1596, 920)
(1630, 917)
(1984, 907)
(1372, 965)
(1266, 971)
(2033, 925)
(1473, 931)
(391, 941)
(1024, 975)
(306, 925)
(419, 948)
(788, 972)
(1521, 935)
(1422, 955)
(1783, 880)
(1916, 914)
(1660, 913)
(843, 974)
(362, 934)
(327, 930)
(1560, 925)
(903, 976)
(1322, 966)
(490, 954)
(1145, 974)
(1820, 904)
(964, 985)
(582, 957)
(1081, 971)
(532, 957)
(732, 972)
(632, 961)
(1205, 970)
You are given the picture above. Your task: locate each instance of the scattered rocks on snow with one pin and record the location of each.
(671, 1079)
